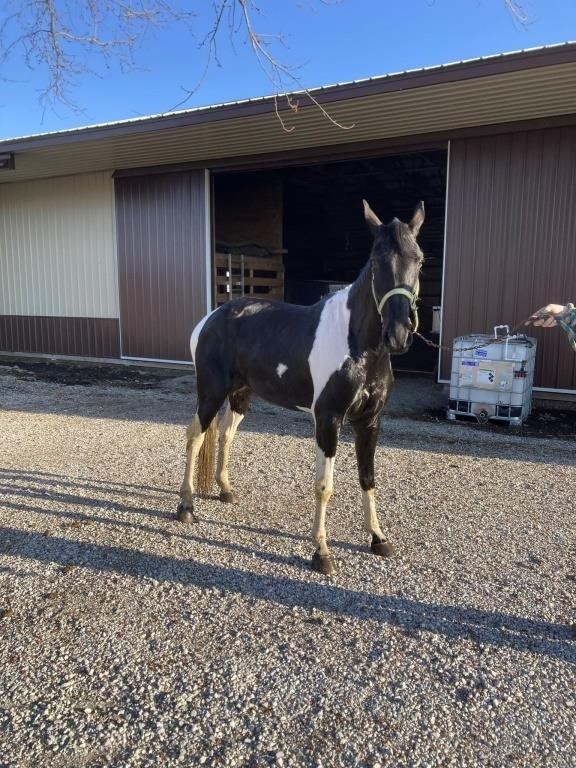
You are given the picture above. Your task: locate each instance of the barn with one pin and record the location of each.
(115, 239)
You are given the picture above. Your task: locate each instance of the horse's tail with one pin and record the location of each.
(207, 460)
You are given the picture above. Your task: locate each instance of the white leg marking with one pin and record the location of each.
(330, 348)
(195, 438)
(371, 523)
(281, 370)
(228, 427)
(323, 491)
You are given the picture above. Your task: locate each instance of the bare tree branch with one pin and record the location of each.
(238, 15)
(68, 39)
(518, 11)
(63, 37)
(278, 72)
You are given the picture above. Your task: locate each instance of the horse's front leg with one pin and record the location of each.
(327, 439)
(366, 438)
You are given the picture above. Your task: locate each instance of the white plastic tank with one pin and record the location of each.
(492, 376)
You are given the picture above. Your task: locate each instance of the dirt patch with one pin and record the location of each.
(541, 423)
(75, 374)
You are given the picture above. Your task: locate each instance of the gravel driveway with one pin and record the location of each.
(129, 640)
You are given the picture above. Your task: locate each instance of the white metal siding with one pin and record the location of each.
(57, 247)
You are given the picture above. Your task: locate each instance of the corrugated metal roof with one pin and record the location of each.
(314, 91)
(523, 85)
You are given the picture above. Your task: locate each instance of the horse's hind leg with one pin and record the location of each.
(208, 407)
(366, 438)
(238, 402)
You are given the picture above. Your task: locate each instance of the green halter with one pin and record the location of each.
(412, 298)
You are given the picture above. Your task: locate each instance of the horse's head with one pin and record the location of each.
(395, 262)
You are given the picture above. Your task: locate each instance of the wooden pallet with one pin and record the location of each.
(250, 276)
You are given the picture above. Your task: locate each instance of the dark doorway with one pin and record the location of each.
(313, 215)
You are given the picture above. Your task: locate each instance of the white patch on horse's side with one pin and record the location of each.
(281, 370)
(196, 334)
(252, 309)
(330, 348)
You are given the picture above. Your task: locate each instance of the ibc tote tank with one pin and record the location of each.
(492, 376)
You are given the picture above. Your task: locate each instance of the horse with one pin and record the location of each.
(331, 359)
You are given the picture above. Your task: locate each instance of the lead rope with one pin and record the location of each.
(486, 343)
(413, 299)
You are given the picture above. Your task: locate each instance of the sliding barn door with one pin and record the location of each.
(162, 224)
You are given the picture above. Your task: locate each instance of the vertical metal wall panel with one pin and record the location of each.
(71, 336)
(161, 231)
(510, 237)
(57, 248)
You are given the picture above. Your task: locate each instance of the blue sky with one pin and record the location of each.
(330, 43)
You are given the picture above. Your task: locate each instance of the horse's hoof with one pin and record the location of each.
(324, 564)
(226, 496)
(381, 548)
(185, 515)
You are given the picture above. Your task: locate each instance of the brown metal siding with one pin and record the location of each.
(76, 336)
(161, 231)
(510, 236)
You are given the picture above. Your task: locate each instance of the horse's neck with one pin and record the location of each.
(365, 321)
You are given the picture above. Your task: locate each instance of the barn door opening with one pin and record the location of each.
(303, 229)
(164, 262)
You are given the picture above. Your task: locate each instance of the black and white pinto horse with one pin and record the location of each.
(331, 359)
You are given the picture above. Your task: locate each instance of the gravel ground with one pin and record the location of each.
(128, 640)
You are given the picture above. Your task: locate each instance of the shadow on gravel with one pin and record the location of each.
(85, 483)
(48, 484)
(68, 519)
(494, 628)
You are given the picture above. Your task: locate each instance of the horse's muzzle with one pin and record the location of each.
(398, 339)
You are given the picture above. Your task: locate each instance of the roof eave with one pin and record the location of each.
(459, 71)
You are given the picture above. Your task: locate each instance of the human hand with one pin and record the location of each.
(546, 316)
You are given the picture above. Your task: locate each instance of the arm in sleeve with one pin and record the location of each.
(567, 321)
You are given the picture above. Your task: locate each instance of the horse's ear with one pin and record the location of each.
(417, 218)
(373, 221)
